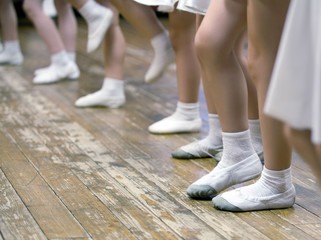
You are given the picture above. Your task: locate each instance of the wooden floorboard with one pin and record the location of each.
(96, 173)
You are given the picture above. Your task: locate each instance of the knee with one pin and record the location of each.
(211, 46)
(29, 8)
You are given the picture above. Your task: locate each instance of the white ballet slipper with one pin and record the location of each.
(172, 125)
(220, 178)
(56, 73)
(11, 58)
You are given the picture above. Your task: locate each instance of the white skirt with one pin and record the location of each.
(163, 5)
(193, 6)
(294, 95)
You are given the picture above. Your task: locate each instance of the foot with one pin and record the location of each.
(15, 58)
(172, 125)
(222, 177)
(160, 62)
(100, 98)
(242, 199)
(56, 73)
(196, 150)
(98, 27)
(45, 70)
(218, 156)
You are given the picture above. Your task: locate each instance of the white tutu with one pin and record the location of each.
(194, 6)
(294, 94)
(163, 5)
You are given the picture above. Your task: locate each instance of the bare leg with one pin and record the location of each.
(301, 140)
(146, 24)
(186, 118)
(226, 86)
(44, 25)
(67, 25)
(150, 27)
(264, 37)
(215, 45)
(182, 32)
(253, 109)
(8, 20)
(98, 19)
(112, 92)
(11, 53)
(61, 66)
(274, 189)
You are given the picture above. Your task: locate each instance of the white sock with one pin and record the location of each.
(236, 147)
(113, 87)
(98, 19)
(186, 111)
(56, 60)
(11, 46)
(160, 42)
(214, 137)
(163, 56)
(256, 137)
(72, 56)
(205, 147)
(60, 58)
(271, 182)
(89, 10)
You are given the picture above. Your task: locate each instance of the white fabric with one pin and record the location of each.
(273, 190)
(294, 94)
(163, 5)
(112, 94)
(194, 6)
(49, 8)
(222, 177)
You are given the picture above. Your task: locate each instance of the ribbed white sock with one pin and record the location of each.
(186, 111)
(273, 181)
(214, 137)
(236, 147)
(206, 146)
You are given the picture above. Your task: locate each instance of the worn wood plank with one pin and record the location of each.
(50, 132)
(16, 222)
(48, 211)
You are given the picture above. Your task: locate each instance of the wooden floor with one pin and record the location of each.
(68, 173)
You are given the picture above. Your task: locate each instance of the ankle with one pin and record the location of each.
(237, 146)
(187, 111)
(277, 181)
(11, 47)
(59, 58)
